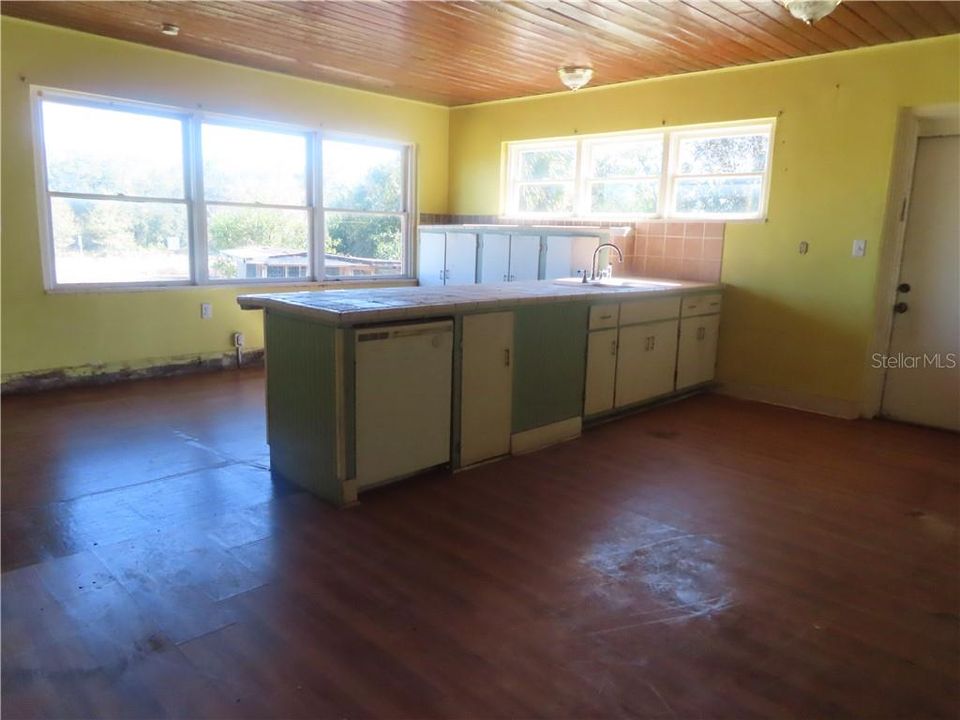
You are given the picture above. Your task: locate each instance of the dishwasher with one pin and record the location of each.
(403, 399)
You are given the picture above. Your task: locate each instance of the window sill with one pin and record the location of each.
(514, 217)
(244, 288)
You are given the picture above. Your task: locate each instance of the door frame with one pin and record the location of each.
(913, 123)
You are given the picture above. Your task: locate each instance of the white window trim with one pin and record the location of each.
(668, 175)
(193, 199)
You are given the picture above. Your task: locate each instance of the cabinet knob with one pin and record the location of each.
(901, 307)
(903, 288)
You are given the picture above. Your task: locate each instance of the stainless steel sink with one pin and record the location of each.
(621, 282)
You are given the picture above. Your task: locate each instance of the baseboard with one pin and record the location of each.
(88, 375)
(808, 402)
(541, 437)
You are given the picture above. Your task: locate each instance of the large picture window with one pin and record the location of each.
(719, 172)
(139, 195)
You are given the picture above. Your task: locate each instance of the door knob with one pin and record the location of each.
(903, 288)
(900, 307)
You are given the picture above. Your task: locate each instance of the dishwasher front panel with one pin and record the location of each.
(403, 399)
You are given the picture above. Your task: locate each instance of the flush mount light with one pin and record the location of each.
(809, 11)
(170, 29)
(575, 76)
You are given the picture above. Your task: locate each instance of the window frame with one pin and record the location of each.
(192, 121)
(671, 137)
(407, 186)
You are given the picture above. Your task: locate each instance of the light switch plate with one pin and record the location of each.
(859, 248)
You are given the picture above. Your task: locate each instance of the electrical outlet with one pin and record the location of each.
(859, 248)
(804, 248)
(206, 311)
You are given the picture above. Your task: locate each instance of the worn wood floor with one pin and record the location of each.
(707, 559)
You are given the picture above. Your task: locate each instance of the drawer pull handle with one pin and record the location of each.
(613, 347)
(701, 333)
(506, 357)
(606, 317)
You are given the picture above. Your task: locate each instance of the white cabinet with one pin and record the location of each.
(601, 371)
(487, 387)
(645, 361)
(505, 257)
(631, 353)
(697, 354)
(494, 258)
(447, 258)
(431, 261)
(565, 254)
(524, 257)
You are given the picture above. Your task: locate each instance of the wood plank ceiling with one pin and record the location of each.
(456, 53)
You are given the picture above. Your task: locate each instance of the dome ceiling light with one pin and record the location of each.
(575, 76)
(809, 11)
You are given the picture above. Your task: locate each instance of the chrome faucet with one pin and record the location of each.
(593, 263)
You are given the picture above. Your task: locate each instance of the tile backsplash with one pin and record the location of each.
(676, 250)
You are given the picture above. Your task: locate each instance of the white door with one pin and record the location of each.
(601, 371)
(697, 351)
(487, 388)
(461, 266)
(524, 257)
(431, 259)
(923, 381)
(494, 258)
(646, 359)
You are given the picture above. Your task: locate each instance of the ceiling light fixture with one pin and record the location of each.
(575, 76)
(170, 29)
(809, 11)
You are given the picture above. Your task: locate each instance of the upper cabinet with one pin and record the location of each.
(447, 258)
(508, 257)
(457, 254)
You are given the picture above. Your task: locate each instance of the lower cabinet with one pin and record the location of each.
(644, 349)
(487, 387)
(697, 354)
(601, 371)
(645, 361)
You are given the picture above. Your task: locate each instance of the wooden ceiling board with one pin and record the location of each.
(461, 52)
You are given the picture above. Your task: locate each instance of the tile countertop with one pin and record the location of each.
(366, 305)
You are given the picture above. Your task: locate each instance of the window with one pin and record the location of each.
(719, 172)
(139, 195)
(363, 207)
(545, 178)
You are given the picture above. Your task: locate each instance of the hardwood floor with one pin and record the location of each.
(706, 559)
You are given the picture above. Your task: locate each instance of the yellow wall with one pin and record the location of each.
(43, 331)
(794, 324)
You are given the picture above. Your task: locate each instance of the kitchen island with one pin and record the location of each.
(367, 386)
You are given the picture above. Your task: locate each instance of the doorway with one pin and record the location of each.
(922, 364)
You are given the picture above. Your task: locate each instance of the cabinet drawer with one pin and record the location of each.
(641, 311)
(701, 304)
(603, 316)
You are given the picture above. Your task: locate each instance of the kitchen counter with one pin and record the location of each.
(345, 308)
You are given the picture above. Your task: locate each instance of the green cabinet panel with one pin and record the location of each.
(301, 403)
(550, 346)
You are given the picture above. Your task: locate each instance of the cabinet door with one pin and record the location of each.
(461, 268)
(697, 356)
(646, 360)
(494, 258)
(601, 371)
(566, 254)
(431, 258)
(524, 257)
(487, 388)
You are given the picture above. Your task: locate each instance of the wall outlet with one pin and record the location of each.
(206, 311)
(859, 248)
(804, 248)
